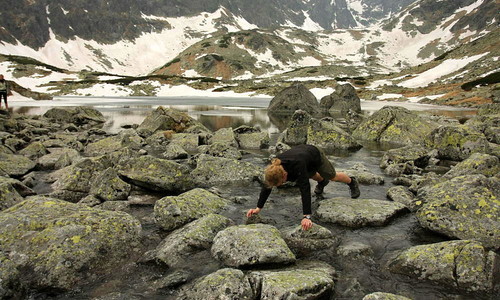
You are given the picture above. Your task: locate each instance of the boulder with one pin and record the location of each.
(20, 187)
(108, 186)
(342, 100)
(57, 245)
(326, 133)
(172, 212)
(395, 125)
(57, 158)
(384, 296)
(359, 212)
(8, 195)
(489, 125)
(464, 207)
(174, 151)
(249, 245)
(297, 130)
(402, 194)
(15, 165)
(224, 284)
(405, 160)
(34, 150)
(293, 98)
(156, 174)
(80, 115)
(126, 138)
(252, 138)
(477, 163)
(196, 236)
(303, 243)
(221, 150)
(188, 141)
(211, 170)
(167, 119)
(224, 136)
(457, 142)
(464, 265)
(363, 175)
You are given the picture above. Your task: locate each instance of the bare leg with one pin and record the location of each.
(341, 177)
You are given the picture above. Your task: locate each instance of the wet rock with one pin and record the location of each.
(224, 136)
(363, 175)
(307, 280)
(67, 244)
(8, 195)
(342, 100)
(464, 265)
(384, 296)
(57, 158)
(222, 284)
(303, 243)
(326, 133)
(16, 165)
(457, 142)
(357, 213)
(394, 125)
(402, 194)
(405, 160)
(167, 119)
(221, 150)
(34, 151)
(354, 251)
(212, 171)
(196, 236)
(108, 186)
(156, 174)
(172, 281)
(252, 138)
(126, 138)
(477, 163)
(294, 98)
(248, 245)
(77, 115)
(172, 212)
(464, 207)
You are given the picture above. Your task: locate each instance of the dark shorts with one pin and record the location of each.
(326, 170)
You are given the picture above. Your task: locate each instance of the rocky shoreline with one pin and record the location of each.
(69, 190)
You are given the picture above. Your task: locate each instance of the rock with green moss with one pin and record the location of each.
(405, 160)
(172, 212)
(126, 138)
(306, 280)
(16, 165)
(488, 124)
(20, 187)
(357, 213)
(188, 141)
(464, 265)
(194, 237)
(174, 151)
(297, 129)
(221, 150)
(156, 174)
(77, 115)
(224, 136)
(252, 138)
(249, 245)
(57, 158)
(34, 150)
(211, 170)
(8, 195)
(402, 194)
(224, 284)
(303, 243)
(167, 119)
(464, 207)
(326, 133)
(477, 163)
(457, 142)
(384, 296)
(363, 175)
(61, 245)
(108, 186)
(395, 125)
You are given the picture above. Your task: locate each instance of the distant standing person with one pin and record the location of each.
(299, 164)
(3, 92)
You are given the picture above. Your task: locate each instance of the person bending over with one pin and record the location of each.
(3, 91)
(299, 164)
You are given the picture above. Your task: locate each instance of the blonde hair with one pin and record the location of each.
(274, 173)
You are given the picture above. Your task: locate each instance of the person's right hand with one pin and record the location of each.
(253, 211)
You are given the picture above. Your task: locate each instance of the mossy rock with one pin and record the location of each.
(126, 138)
(15, 165)
(77, 115)
(34, 150)
(477, 163)
(167, 119)
(108, 186)
(327, 134)
(8, 196)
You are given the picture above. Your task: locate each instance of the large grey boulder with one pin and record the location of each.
(457, 142)
(252, 138)
(156, 174)
(34, 150)
(342, 100)
(477, 163)
(364, 175)
(293, 98)
(395, 125)
(126, 138)
(306, 280)
(167, 119)
(357, 213)
(464, 265)
(77, 115)
(172, 212)
(196, 236)
(224, 284)
(224, 136)
(248, 245)
(108, 186)
(326, 133)
(211, 170)
(15, 165)
(297, 130)
(488, 124)
(57, 245)
(464, 207)
(221, 150)
(303, 243)
(405, 160)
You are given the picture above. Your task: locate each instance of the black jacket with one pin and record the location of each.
(301, 163)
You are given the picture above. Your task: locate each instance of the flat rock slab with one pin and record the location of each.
(359, 212)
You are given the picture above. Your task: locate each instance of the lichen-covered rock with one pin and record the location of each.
(211, 170)
(194, 237)
(156, 174)
(77, 115)
(34, 150)
(306, 280)
(224, 284)
(358, 212)
(248, 245)
(252, 138)
(457, 142)
(16, 165)
(188, 141)
(8, 195)
(402, 194)
(363, 175)
(108, 186)
(303, 243)
(464, 265)
(406, 160)
(384, 296)
(60, 245)
(126, 138)
(172, 212)
(221, 150)
(57, 158)
(325, 133)
(20, 187)
(296, 132)
(464, 207)
(167, 119)
(396, 125)
(489, 125)
(477, 163)
(224, 136)
(294, 98)
(174, 151)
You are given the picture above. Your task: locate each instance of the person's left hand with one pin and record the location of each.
(306, 224)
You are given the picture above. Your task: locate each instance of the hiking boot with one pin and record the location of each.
(321, 186)
(354, 187)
